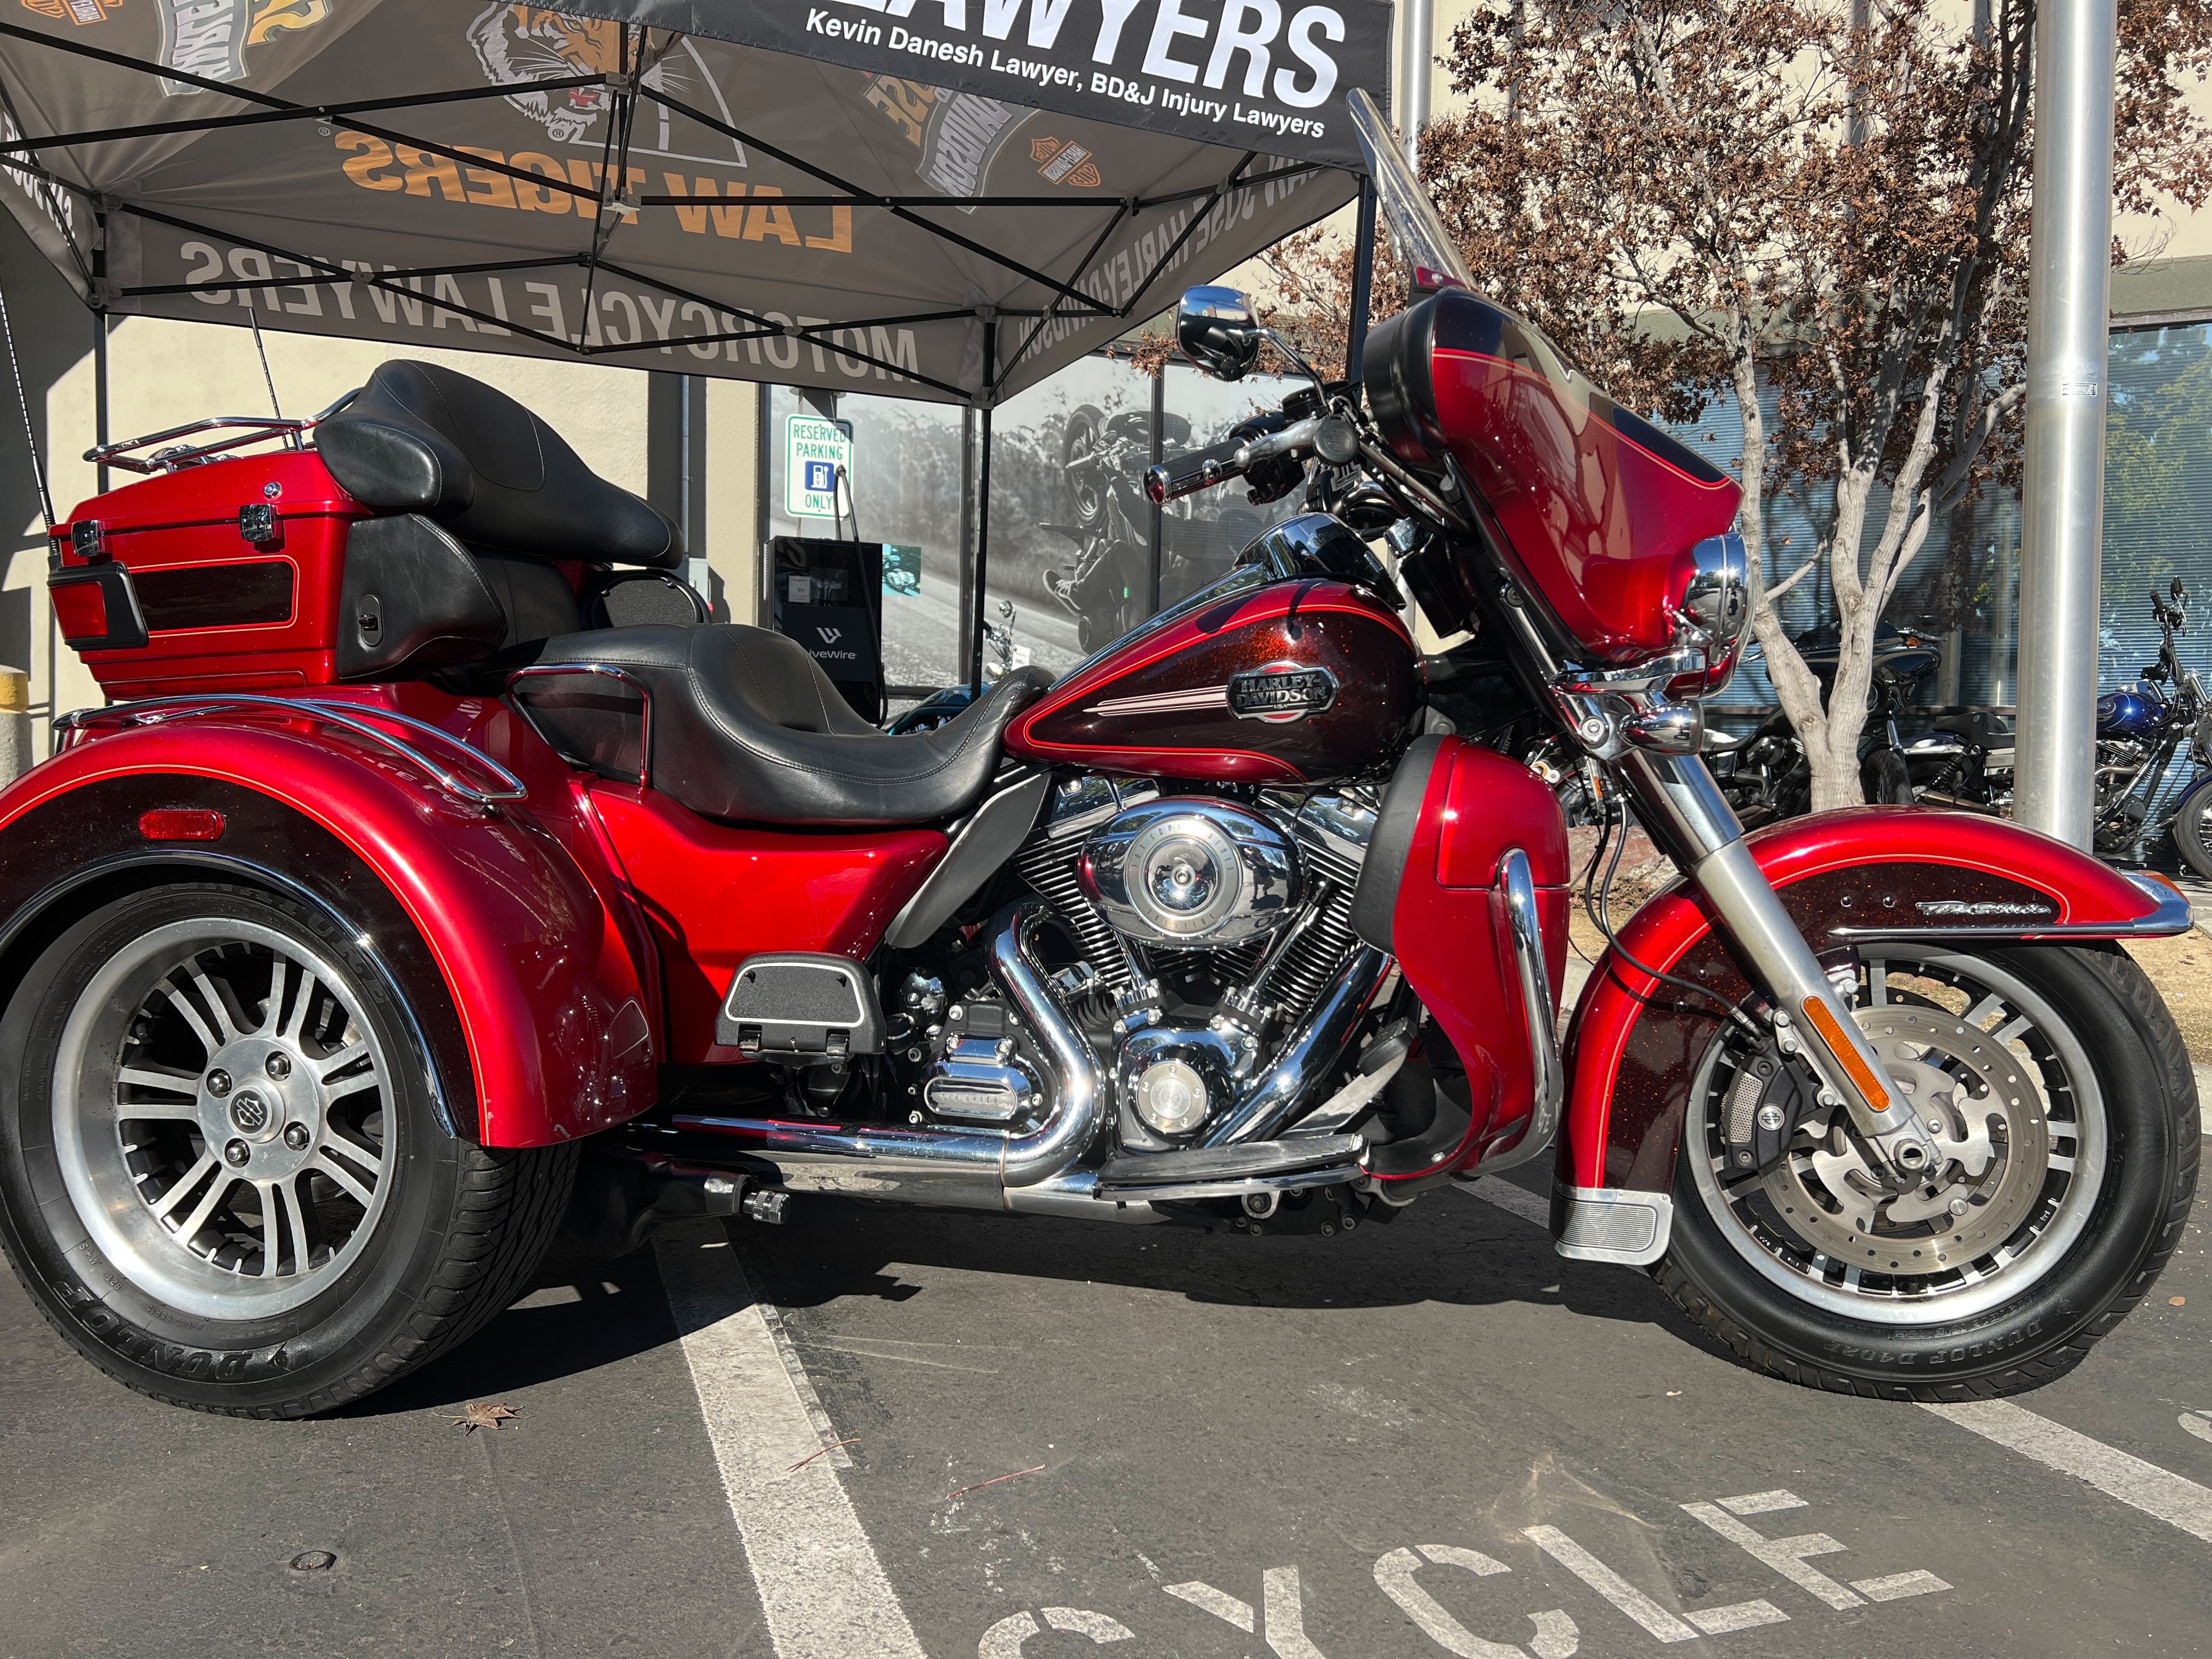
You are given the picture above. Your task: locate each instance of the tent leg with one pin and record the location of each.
(1159, 520)
(1363, 281)
(983, 561)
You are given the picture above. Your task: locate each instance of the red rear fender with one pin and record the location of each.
(509, 935)
(1847, 878)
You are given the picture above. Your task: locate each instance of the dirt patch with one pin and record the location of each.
(2181, 968)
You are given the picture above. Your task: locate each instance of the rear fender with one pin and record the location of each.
(509, 937)
(1853, 878)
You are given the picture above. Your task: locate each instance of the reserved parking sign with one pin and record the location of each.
(814, 448)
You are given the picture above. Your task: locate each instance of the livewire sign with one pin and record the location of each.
(1264, 75)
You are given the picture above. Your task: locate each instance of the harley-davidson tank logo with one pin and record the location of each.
(1281, 692)
(1981, 907)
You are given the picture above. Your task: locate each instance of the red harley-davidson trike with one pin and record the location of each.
(441, 875)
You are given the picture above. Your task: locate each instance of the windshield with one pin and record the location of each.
(1415, 231)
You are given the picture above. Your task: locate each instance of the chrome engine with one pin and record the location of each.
(1218, 975)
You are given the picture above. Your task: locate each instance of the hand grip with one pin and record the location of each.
(1169, 481)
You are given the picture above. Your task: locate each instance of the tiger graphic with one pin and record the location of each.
(534, 43)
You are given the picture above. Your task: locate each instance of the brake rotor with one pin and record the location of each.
(1985, 1112)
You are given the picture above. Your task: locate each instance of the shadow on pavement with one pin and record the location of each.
(582, 1312)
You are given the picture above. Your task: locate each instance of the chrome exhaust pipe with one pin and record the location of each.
(1271, 1101)
(966, 1169)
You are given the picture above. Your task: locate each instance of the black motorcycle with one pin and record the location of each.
(2141, 729)
(1104, 458)
(1765, 775)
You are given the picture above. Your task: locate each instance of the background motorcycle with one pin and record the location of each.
(2139, 731)
(1765, 775)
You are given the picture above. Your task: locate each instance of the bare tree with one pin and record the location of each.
(1824, 204)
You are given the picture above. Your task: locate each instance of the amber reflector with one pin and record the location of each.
(181, 823)
(1847, 1056)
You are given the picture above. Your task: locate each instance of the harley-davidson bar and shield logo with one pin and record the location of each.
(1281, 693)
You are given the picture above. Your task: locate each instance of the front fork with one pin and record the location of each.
(1685, 811)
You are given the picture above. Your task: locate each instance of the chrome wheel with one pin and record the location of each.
(2009, 1098)
(218, 1108)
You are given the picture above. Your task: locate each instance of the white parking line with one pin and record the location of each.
(1517, 1200)
(821, 1586)
(2177, 1502)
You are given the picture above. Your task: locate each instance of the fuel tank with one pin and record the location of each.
(1273, 674)
(2132, 714)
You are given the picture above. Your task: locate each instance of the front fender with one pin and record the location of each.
(1852, 877)
(505, 934)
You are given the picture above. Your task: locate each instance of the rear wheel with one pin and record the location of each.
(221, 1173)
(2061, 1093)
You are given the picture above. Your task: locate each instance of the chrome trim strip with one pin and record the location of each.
(613, 671)
(1519, 884)
(1611, 1224)
(153, 711)
(2173, 916)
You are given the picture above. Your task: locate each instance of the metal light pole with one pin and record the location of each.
(1418, 17)
(2062, 505)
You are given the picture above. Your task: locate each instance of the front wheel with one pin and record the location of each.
(221, 1175)
(2061, 1089)
(2192, 833)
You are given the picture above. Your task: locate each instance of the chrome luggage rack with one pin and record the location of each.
(244, 428)
(356, 718)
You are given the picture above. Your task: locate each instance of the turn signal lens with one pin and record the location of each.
(181, 823)
(1847, 1056)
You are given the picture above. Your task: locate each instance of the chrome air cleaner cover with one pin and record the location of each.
(1191, 873)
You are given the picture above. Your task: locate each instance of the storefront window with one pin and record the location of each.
(905, 492)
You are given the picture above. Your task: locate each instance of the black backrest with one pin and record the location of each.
(421, 438)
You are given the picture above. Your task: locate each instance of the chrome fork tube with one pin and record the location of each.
(1685, 809)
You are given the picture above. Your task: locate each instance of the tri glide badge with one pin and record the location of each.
(1281, 692)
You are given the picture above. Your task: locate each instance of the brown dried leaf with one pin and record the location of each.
(481, 1414)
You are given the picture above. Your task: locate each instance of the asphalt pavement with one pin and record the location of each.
(1430, 1437)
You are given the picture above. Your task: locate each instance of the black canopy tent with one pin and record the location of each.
(936, 199)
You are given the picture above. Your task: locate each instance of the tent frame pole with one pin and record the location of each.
(1363, 282)
(990, 321)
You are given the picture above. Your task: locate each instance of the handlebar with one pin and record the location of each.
(1333, 438)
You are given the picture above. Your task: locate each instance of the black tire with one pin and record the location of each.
(1886, 780)
(2192, 834)
(2145, 1095)
(330, 1296)
(1080, 440)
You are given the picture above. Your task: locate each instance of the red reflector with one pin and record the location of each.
(181, 823)
(81, 610)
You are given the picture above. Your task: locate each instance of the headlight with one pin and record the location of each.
(1712, 616)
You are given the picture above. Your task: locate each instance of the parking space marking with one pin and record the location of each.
(1655, 1618)
(2198, 1423)
(2146, 1487)
(1787, 1556)
(1515, 1200)
(822, 1587)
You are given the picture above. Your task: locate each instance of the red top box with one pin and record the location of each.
(219, 576)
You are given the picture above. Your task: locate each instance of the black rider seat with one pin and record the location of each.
(745, 725)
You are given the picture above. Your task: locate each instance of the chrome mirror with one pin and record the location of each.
(1219, 330)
